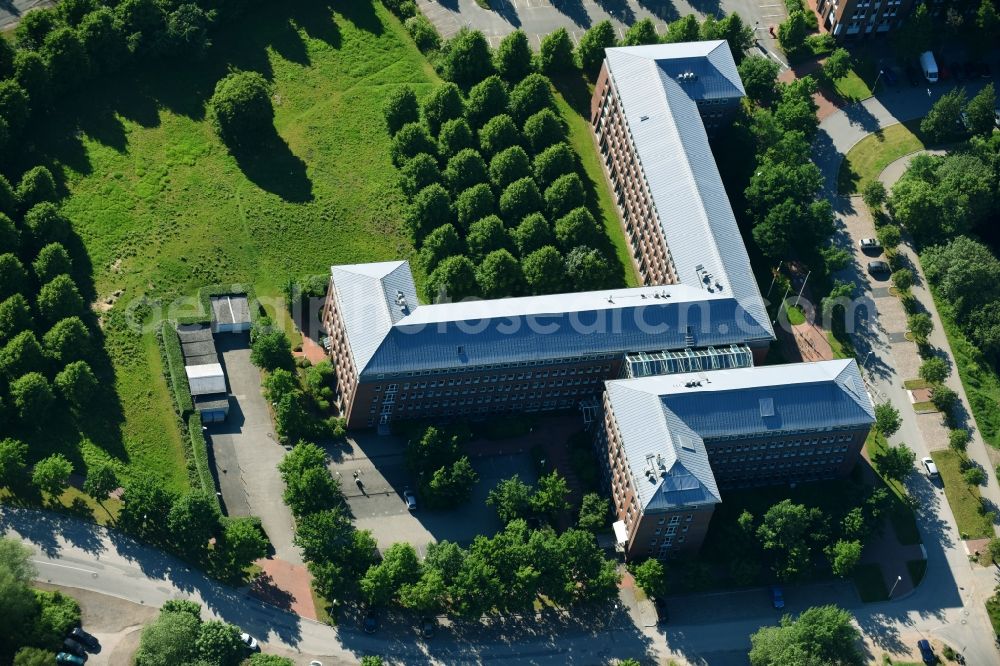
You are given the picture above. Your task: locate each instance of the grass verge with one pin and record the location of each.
(979, 380)
(573, 101)
(901, 517)
(993, 610)
(852, 87)
(795, 315)
(914, 384)
(924, 406)
(871, 586)
(866, 160)
(965, 500)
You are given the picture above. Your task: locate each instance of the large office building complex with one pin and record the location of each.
(670, 442)
(396, 359)
(855, 19)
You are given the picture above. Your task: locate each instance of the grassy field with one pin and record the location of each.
(866, 160)
(163, 207)
(852, 87)
(963, 498)
(979, 379)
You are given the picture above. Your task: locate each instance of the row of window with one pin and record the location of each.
(775, 468)
(500, 366)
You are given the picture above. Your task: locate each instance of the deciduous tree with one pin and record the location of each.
(51, 474)
(466, 58)
(240, 108)
(556, 53)
(400, 108)
(512, 59)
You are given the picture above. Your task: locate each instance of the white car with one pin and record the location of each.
(870, 244)
(929, 465)
(249, 641)
(411, 499)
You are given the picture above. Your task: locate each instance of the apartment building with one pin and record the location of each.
(670, 444)
(398, 359)
(652, 111)
(856, 19)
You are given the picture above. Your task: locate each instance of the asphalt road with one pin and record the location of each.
(12, 10)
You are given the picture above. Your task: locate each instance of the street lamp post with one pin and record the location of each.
(867, 356)
(898, 578)
(880, 72)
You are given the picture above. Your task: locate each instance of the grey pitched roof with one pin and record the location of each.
(367, 296)
(669, 136)
(672, 416)
(476, 333)
(230, 309)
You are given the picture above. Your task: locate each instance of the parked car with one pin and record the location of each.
(932, 470)
(878, 267)
(912, 75)
(428, 626)
(74, 647)
(956, 71)
(777, 597)
(371, 622)
(249, 641)
(971, 71)
(411, 499)
(926, 653)
(870, 244)
(81, 636)
(662, 614)
(72, 659)
(890, 76)
(984, 70)
(944, 73)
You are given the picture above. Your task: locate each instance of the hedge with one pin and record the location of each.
(199, 456)
(171, 344)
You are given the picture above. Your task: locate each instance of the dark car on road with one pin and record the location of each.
(777, 597)
(428, 626)
(926, 653)
(878, 267)
(81, 636)
(70, 645)
(890, 76)
(70, 659)
(956, 71)
(371, 622)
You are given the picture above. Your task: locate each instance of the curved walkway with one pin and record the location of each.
(888, 359)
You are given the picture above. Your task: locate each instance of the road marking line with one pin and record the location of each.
(63, 566)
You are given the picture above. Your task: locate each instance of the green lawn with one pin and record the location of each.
(913, 384)
(979, 379)
(993, 609)
(871, 586)
(866, 160)
(963, 498)
(901, 517)
(164, 208)
(573, 100)
(852, 88)
(795, 315)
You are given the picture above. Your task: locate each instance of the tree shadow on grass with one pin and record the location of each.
(271, 165)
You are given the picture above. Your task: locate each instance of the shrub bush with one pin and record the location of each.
(556, 53)
(466, 58)
(455, 136)
(533, 233)
(423, 33)
(474, 204)
(512, 59)
(498, 134)
(175, 369)
(508, 165)
(530, 96)
(240, 108)
(411, 140)
(566, 193)
(485, 99)
(454, 279)
(58, 613)
(430, 209)
(486, 235)
(419, 172)
(444, 103)
(400, 108)
(543, 129)
(521, 198)
(464, 170)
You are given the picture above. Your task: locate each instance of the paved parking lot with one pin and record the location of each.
(380, 506)
(540, 17)
(247, 452)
